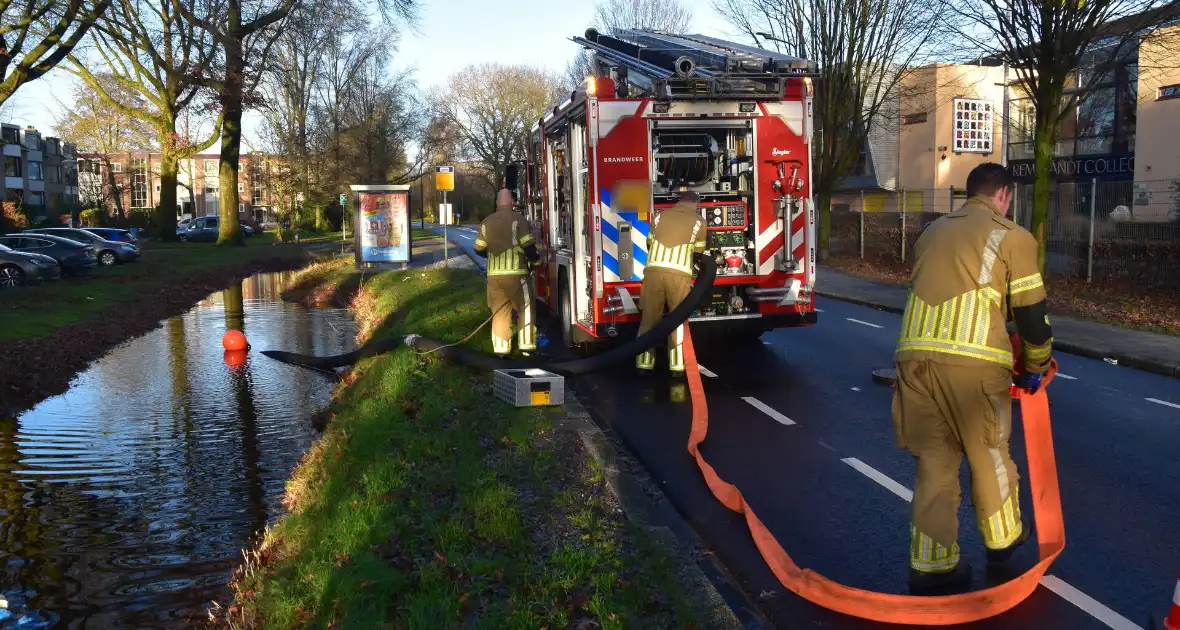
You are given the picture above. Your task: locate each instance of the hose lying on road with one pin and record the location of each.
(480, 360)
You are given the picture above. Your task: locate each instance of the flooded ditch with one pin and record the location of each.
(124, 502)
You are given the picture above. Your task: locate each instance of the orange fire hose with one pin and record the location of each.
(892, 608)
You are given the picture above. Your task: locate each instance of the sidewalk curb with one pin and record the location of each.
(645, 505)
(1146, 365)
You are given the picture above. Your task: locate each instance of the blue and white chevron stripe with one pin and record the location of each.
(610, 241)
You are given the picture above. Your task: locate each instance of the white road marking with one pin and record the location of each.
(863, 323)
(819, 310)
(1088, 604)
(764, 408)
(706, 371)
(1067, 592)
(1067, 377)
(880, 477)
(856, 389)
(1162, 402)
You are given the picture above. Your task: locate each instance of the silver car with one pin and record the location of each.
(20, 268)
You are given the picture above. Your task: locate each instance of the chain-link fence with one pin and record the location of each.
(1126, 232)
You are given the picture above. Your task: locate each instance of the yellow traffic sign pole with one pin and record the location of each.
(444, 181)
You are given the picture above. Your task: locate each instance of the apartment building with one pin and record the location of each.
(40, 174)
(134, 179)
(1115, 143)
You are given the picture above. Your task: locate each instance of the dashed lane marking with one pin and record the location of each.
(863, 323)
(706, 371)
(1162, 402)
(1067, 592)
(1088, 604)
(872, 473)
(766, 409)
(1067, 377)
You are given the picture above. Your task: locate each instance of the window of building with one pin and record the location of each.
(116, 167)
(10, 135)
(35, 198)
(256, 186)
(1100, 120)
(139, 183)
(12, 166)
(32, 141)
(212, 176)
(53, 174)
(36, 172)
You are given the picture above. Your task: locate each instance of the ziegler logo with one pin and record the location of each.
(779, 152)
(622, 159)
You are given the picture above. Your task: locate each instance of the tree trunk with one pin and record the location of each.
(823, 202)
(116, 192)
(1044, 144)
(231, 144)
(166, 212)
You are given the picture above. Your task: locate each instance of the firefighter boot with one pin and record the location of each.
(1000, 556)
(957, 580)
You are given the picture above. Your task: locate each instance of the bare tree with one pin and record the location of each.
(492, 106)
(245, 31)
(97, 126)
(1045, 44)
(152, 52)
(659, 15)
(36, 35)
(864, 48)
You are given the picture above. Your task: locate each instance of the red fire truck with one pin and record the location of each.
(683, 112)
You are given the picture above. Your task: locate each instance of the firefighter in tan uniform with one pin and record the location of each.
(506, 240)
(954, 367)
(676, 234)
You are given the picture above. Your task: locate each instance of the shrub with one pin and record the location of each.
(92, 217)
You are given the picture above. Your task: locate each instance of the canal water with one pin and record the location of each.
(125, 502)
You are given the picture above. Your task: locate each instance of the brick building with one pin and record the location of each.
(135, 176)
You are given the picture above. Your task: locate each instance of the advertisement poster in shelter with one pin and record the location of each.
(384, 227)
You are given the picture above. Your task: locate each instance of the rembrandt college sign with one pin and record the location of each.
(1112, 167)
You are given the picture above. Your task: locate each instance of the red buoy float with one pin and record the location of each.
(234, 340)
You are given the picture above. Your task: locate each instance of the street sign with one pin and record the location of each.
(444, 214)
(444, 178)
(343, 200)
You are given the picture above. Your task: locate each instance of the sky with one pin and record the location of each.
(451, 35)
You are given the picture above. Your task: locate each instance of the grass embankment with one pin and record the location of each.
(37, 311)
(430, 504)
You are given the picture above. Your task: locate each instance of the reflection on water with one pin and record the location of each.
(125, 501)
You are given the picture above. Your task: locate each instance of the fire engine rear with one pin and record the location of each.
(676, 113)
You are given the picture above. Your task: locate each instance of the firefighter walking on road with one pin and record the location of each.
(506, 240)
(973, 267)
(676, 234)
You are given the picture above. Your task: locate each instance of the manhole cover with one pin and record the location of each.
(885, 376)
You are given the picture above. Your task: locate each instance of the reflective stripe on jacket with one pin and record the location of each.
(676, 234)
(971, 267)
(505, 235)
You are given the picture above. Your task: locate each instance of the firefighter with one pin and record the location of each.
(954, 363)
(506, 240)
(676, 234)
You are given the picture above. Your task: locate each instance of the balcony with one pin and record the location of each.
(12, 150)
(17, 183)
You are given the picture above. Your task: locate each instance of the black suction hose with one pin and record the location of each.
(480, 360)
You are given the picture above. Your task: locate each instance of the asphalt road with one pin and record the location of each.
(797, 423)
(463, 236)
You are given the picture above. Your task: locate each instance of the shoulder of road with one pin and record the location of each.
(1143, 350)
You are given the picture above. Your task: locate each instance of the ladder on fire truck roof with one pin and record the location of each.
(693, 66)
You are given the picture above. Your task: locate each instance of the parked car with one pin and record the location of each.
(182, 226)
(115, 234)
(201, 230)
(72, 256)
(108, 252)
(19, 268)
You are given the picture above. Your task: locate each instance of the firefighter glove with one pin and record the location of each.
(1028, 381)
